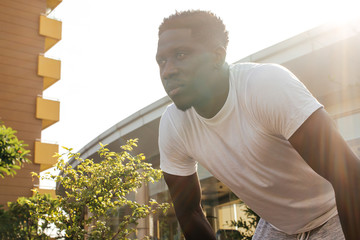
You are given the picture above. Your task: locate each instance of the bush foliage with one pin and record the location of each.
(22, 218)
(94, 192)
(12, 152)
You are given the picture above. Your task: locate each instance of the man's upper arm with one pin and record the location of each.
(320, 144)
(323, 148)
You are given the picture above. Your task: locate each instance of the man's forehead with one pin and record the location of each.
(174, 38)
(175, 33)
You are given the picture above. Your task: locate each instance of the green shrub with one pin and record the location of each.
(12, 152)
(95, 191)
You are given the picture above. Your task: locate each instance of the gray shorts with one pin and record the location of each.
(331, 230)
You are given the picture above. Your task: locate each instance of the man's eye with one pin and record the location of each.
(180, 55)
(161, 62)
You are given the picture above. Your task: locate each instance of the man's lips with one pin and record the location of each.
(173, 89)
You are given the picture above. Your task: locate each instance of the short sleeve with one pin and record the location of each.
(278, 100)
(173, 157)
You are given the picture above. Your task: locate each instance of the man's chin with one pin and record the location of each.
(182, 107)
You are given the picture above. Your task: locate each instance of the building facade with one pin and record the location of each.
(26, 33)
(325, 59)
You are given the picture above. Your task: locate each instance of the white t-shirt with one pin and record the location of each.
(245, 145)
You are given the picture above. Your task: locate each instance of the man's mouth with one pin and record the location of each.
(174, 91)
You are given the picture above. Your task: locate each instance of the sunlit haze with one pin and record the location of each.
(108, 48)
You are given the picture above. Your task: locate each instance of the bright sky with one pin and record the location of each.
(108, 51)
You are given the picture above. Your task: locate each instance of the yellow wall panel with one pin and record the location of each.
(48, 67)
(44, 167)
(44, 153)
(47, 82)
(50, 27)
(47, 191)
(47, 123)
(49, 42)
(48, 111)
(51, 4)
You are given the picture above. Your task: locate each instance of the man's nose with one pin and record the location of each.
(169, 70)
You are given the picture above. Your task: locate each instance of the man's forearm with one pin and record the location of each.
(185, 192)
(195, 225)
(347, 192)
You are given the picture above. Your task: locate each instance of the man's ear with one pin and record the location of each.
(220, 55)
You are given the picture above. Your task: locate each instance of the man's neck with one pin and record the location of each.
(218, 92)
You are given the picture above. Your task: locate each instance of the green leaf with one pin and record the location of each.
(17, 167)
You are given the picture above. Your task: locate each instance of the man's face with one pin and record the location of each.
(185, 65)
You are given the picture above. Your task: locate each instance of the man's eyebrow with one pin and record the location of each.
(179, 48)
(186, 48)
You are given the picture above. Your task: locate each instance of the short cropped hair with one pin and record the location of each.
(204, 25)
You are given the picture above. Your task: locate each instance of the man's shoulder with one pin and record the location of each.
(255, 75)
(241, 72)
(242, 67)
(174, 115)
(249, 67)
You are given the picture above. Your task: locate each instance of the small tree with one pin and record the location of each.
(95, 190)
(12, 152)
